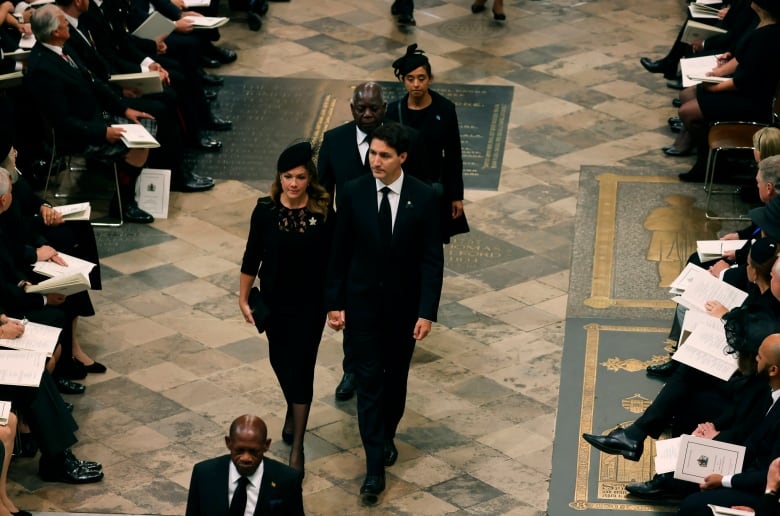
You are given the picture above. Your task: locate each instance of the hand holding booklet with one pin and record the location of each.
(72, 265)
(79, 211)
(40, 338)
(699, 286)
(135, 136)
(694, 458)
(66, 285)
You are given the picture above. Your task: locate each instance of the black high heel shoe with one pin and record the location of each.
(499, 16)
(477, 8)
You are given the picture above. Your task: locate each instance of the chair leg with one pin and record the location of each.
(709, 179)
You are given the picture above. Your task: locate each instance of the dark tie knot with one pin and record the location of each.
(243, 482)
(385, 190)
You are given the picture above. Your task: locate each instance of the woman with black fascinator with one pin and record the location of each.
(435, 118)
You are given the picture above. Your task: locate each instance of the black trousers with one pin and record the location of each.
(51, 424)
(696, 504)
(689, 397)
(381, 360)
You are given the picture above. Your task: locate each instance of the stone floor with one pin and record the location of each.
(483, 392)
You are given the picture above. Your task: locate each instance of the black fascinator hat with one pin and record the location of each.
(413, 59)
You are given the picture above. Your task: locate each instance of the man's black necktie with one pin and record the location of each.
(385, 218)
(238, 503)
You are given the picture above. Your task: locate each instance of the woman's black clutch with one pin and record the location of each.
(260, 311)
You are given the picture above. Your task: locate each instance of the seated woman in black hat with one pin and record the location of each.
(288, 229)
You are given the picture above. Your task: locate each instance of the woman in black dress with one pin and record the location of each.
(434, 117)
(287, 230)
(753, 71)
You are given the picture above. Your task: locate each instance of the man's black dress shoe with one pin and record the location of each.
(674, 120)
(372, 486)
(391, 453)
(209, 62)
(664, 370)
(653, 66)
(217, 123)
(617, 443)
(478, 8)
(253, 21)
(210, 79)
(346, 387)
(676, 128)
(676, 102)
(407, 19)
(674, 84)
(71, 461)
(132, 213)
(65, 386)
(68, 475)
(660, 486)
(210, 95)
(185, 182)
(671, 150)
(207, 143)
(222, 55)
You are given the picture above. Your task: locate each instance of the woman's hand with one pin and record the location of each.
(715, 309)
(706, 431)
(246, 311)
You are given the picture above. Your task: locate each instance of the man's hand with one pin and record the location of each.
(723, 12)
(718, 267)
(114, 134)
(183, 25)
(55, 299)
(336, 319)
(161, 46)
(47, 253)
(730, 236)
(773, 475)
(164, 77)
(712, 481)
(11, 329)
(705, 431)
(131, 93)
(133, 115)
(457, 209)
(422, 329)
(50, 216)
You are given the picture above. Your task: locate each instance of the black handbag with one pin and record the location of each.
(260, 311)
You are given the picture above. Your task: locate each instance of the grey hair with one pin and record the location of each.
(769, 168)
(44, 21)
(367, 86)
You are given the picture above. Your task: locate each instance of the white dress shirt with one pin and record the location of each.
(362, 143)
(393, 196)
(252, 488)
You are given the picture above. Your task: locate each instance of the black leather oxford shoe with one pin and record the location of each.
(660, 486)
(253, 21)
(210, 79)
(676, 102)
(372, 486)
(217, 123)
(186, 182)
(209, 62)
(616, 443)
(651, 66)
(207, 143)
(66, 386)
(132, 213)
(223, 55)
(71, 461)
(664, 370)
(346, 387)
(391, 453)
(68, 473)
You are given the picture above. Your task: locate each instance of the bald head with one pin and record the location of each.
(770, 348)
(247, 441)
(368, 106)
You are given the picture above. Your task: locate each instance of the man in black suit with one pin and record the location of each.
(384, 285)
(343, 156)
(74, 103)
(244, 480)
(762, 447)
